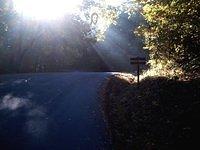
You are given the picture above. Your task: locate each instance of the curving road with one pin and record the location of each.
(55, 111)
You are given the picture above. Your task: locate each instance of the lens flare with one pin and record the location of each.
(46, 9)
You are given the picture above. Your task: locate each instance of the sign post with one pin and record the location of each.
(138, 61)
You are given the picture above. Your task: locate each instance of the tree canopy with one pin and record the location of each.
(172, 35)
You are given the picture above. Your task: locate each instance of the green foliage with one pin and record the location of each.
(107, 12)
(172, 33)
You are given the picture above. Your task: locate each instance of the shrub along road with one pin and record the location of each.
(159, 114)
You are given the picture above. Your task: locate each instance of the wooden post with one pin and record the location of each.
(138, 73)
(138, 61)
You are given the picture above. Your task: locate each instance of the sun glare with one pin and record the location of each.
(46, 9)
(115, 2)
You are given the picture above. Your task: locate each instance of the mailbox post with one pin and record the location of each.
(138, 61)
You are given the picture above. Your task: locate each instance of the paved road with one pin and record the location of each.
(57, 111)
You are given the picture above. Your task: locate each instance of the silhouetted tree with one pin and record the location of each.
(42, 46)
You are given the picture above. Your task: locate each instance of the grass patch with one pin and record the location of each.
(160, 113)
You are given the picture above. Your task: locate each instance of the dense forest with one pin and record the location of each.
(39, 47)
(169, 31)
(42, 46)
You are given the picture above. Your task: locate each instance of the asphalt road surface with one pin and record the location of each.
(55, 111)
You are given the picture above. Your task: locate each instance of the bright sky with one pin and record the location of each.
(46, 9)
(115, 2)
(52, 9)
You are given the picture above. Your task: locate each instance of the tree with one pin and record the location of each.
(34, 46)
(172, 34)
(28, 45)
(7, 16)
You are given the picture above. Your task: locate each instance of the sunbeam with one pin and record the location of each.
(45, 9)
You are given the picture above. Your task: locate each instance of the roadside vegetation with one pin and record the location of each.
(160, 113)
(163, 111)
(171, 36)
